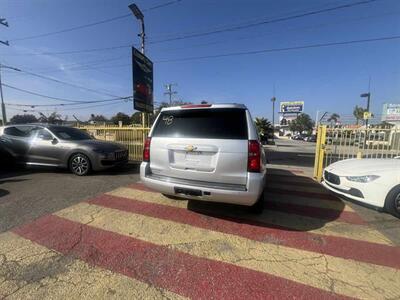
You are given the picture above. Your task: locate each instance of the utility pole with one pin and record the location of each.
(5, 23)
(169, 91)
(273, 99)
(3, 106)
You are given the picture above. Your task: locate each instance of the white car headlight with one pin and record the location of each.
(363, 179)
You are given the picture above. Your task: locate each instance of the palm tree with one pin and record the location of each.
(358, 113)
(334, 118)
(264, 126)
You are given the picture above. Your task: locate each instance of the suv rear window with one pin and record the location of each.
(217, 123)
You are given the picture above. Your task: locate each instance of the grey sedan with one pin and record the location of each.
(60, 146)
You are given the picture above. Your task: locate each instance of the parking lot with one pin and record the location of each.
(107, 235)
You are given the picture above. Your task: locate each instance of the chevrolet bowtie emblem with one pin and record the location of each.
(190, 148)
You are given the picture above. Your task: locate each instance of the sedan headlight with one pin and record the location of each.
(105, 154)
(363, 179)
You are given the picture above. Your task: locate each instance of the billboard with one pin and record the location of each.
(285, 119)
(391, 112)
(291, 107)
(142, 74)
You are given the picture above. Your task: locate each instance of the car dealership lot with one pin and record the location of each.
(107, 235)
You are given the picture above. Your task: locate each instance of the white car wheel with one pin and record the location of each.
(392, 203)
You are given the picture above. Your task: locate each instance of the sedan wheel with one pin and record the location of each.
(80, 164)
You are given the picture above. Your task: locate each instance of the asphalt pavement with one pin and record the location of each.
(108, 236)
(26, 194)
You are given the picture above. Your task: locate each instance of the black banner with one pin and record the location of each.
(142, 73)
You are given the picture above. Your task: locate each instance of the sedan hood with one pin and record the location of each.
(364, 166)
(103, 145)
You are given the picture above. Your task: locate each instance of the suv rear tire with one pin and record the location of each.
(79, 164)
(258, 207)
(392, 202)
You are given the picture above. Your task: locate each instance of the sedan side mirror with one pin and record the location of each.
(54, 141)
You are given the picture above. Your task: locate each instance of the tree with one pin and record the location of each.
(302, 123)
(334, 118)
(136, 118)
(358, 113)
(264, 127)
(23, 119)
(53, 118)
(97, 118)
(124, 118)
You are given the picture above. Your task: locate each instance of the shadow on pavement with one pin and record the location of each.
(18, 170)
(3, 193)
(298, 159)
(286, 208)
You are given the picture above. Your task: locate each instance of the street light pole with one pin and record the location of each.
(273, 99)
(139, 15)
(3, 106)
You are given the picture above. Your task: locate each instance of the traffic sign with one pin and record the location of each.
(367, 115)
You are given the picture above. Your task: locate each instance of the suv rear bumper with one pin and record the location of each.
(214, 192)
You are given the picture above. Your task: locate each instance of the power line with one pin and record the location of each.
(80, 65)
(58, 98)
(66, 109)
(264, 22)
(264, 51)
(199, 34)
(108, 20)
(67, 83)
(282, 49)
(67, 104)
(71, 51)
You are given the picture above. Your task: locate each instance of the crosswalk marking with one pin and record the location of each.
(162, 267)
(26, 266)
(313, 269)
(295, 222)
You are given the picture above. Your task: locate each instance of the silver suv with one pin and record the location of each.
(206, 152)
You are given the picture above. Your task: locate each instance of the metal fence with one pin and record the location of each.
(131, 137)
(334, 144)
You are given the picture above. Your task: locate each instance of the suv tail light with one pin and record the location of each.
(254, 158)
(146, 149)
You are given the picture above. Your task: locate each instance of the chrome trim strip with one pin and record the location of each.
(40, 164)
(211, 185)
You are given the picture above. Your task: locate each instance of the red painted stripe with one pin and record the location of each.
(316, 212)
(262, 231)
(184, 274)
(141, 187)
(321, 196)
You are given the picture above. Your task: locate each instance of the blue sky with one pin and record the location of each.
(327, 79)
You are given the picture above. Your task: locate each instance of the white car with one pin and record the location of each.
(208, 152)
(375, 182)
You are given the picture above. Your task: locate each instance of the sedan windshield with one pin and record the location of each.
(71, 134)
